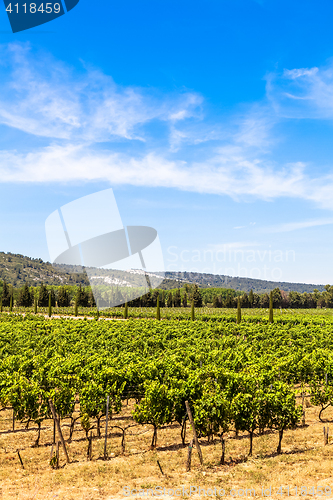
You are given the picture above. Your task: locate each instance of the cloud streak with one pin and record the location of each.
(43, 97)
(302, 93)
(227, 173)
(294, 226)
(76, 111)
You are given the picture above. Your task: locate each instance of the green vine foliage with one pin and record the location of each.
(239, 376)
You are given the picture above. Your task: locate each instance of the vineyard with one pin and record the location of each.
(251, 381)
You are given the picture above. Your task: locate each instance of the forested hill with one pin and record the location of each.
(242, 284)
(17, 270)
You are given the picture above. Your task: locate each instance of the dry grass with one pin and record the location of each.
(304, 462)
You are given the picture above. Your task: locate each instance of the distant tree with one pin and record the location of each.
(277, 297)
(239, 312)
(82, 297)
(264, 300)
(217, 302)
(295, 300)
(328, 295)
(196, 297)
(169, 301)
(271, 307)
(91, 299)
(185, 300)
(245, 300)
(229, 302)
(321, 302)
(53, 297)
(155, 296)
(177, 300)
(25, 297)
(63, 297)
(251, 298)
(285, 299)
(158, 310)
(5, 295)
(308, 301)
(256, 300)
(43, 296)
(50, 305)
(316, 295)
(162, 302)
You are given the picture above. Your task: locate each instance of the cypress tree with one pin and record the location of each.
(63, 297)
(185, 300)
(35, 305)
(177, 300)
(50, 305)
(43, 296)
(1, 304)
(91, 300)
(25, 297)
(239, 312)
(192, 311)
(169, 302)
(11, 303)
(126, 311)
(271, 307)
(197, 297)
(53, 297)
(158, 311)
(5, 295)
(76, 306)
(216, 302)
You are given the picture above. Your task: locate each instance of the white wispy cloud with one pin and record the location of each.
(226, 173)
(43, 97)
(302, 92)
(233, 246)
(294, 226)
(74, 111)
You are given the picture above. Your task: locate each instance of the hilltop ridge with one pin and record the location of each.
(18, 269)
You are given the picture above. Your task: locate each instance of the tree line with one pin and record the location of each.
(66, 296)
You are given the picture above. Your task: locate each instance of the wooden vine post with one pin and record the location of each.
(239, 312)
(189, 456)
(158, 309)
(271, 318)
(89, 451)
(59, 430)
(197, 444)
(303, 406)
(326, 436)
(57, 455)
(106, 426)
(19, 455)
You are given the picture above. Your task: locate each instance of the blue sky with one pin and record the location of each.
(211, 120)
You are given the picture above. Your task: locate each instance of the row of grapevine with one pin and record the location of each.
(233, 375)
